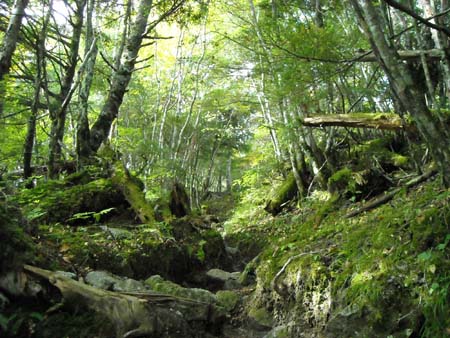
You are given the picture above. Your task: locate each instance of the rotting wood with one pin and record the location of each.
(382, 121)
(382, 199)
(133, 193)
(134, 314)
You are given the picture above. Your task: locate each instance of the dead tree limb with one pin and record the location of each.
(430, 54)
(384, 121)
(133, 314)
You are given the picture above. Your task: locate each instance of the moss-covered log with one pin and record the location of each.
(134, 314)
(283, 194)
(133, 193)
(383, 121)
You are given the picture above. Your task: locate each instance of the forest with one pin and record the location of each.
(226, 168)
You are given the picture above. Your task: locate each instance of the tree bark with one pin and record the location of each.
(121, 78)
(31, 125)
(83, 132)
(58, 116)
(411, 98)
(8, 45)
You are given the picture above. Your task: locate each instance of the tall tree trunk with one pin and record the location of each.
(404, 87)
(83, 132)
(440, 41)
(9, 42)
(31, 124)
(121, 78)
(58, 116)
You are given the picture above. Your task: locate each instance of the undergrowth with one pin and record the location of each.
(390, 265)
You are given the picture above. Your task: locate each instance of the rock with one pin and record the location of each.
(229, 280)
(227, 299)
(260, 319)
(157, 283)
(101, 279)
(107, 281)
(195, 305)
(129, 285)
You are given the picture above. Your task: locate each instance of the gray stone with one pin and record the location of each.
(230, 280)
(128, 285)
(202, 307)
(107, 281)
(101, 279)
(157, 283)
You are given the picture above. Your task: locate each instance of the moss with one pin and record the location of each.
(261, 316)
(227, 299)
(133, 193)
(385, 264)
(54, 201)
(157, 283)
(282, 194)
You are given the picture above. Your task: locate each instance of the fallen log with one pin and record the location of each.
(382, 199)
(134, 314)
(384, 121)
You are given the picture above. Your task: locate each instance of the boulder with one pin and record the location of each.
(107, 281)
(157, 283)
(101, 280)
(227, 280)
(227, 299)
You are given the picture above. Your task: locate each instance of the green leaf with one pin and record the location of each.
(424, 256)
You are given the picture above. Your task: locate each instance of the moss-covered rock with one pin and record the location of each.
(227, 299)
(157, 283)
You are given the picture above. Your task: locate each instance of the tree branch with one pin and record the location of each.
(413, 14)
